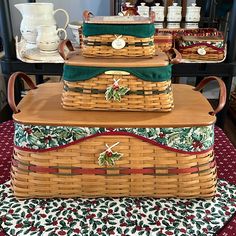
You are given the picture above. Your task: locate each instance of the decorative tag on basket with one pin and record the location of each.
(118, 43)
(115, 91)
(108, 157)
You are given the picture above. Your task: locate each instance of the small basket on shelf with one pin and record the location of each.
(118, 36)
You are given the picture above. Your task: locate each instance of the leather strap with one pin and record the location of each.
(87, 14)
(11, 88)
(65, 44)
(174, 55)
(222, 97)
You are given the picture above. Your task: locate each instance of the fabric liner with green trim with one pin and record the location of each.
(82, 73)
(137, 30)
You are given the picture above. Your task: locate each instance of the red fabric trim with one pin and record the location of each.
(201, 44)
(114, 133)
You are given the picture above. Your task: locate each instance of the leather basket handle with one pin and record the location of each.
(222, 97)
(174, 55)
(86, 15)
(11, 88)
(64, 48)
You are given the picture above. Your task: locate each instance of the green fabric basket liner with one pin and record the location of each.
(136, 30)
(153, 74)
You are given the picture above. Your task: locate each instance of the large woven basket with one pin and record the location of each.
(60, 153)
(139, 85)
(144, 170)
(103, 37)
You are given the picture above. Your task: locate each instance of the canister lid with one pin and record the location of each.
(175, 6)
(194, 7)
(157, 7)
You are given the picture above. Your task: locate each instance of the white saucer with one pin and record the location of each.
(38, 55)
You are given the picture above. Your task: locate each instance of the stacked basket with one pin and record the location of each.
(116, 132)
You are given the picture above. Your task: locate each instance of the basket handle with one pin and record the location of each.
(86, 15)
(174, 55)
(64, 48)
(222, 98)
(11, 88)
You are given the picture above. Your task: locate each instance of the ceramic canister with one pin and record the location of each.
(174, 16)
(192, 16)
(159, 15)
(143, 10)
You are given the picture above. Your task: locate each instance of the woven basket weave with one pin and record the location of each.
(100, 46)
(163, 42)
(213, 48)
(143, 95)
(211, 54)
(144, 170)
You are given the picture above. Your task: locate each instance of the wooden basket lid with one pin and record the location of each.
(76, 59)
(119, 20)
(42, 106)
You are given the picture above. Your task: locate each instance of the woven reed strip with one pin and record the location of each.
(128, 51)
(211, 54)
(161, 45)
(132, 102)
(136, 154)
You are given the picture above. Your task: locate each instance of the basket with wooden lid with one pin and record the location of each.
(60, 153)
(131, 85)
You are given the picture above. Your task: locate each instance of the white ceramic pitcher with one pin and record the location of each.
(48, 38)
(35, 14)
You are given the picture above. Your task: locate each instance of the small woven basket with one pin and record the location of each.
(142, 95)
(118, 37)
(144, 170)
(210, 48)
(163, 41)
(100, 46)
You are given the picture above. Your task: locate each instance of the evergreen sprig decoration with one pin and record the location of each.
(108, 157)
(115, 92)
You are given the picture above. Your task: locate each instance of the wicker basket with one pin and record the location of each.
(163, 41)
(145, 170)
(140, 85)
(117, 37)
(202, 48)
(60, 153)
(142, 96)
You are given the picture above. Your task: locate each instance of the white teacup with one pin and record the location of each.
(48, 38)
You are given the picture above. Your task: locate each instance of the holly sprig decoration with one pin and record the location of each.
(108, 157)
(115, 91)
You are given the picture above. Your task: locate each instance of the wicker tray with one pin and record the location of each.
(133, 85)
(60, 153)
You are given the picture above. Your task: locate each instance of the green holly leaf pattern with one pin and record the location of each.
(115, 93)
(108, 158)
